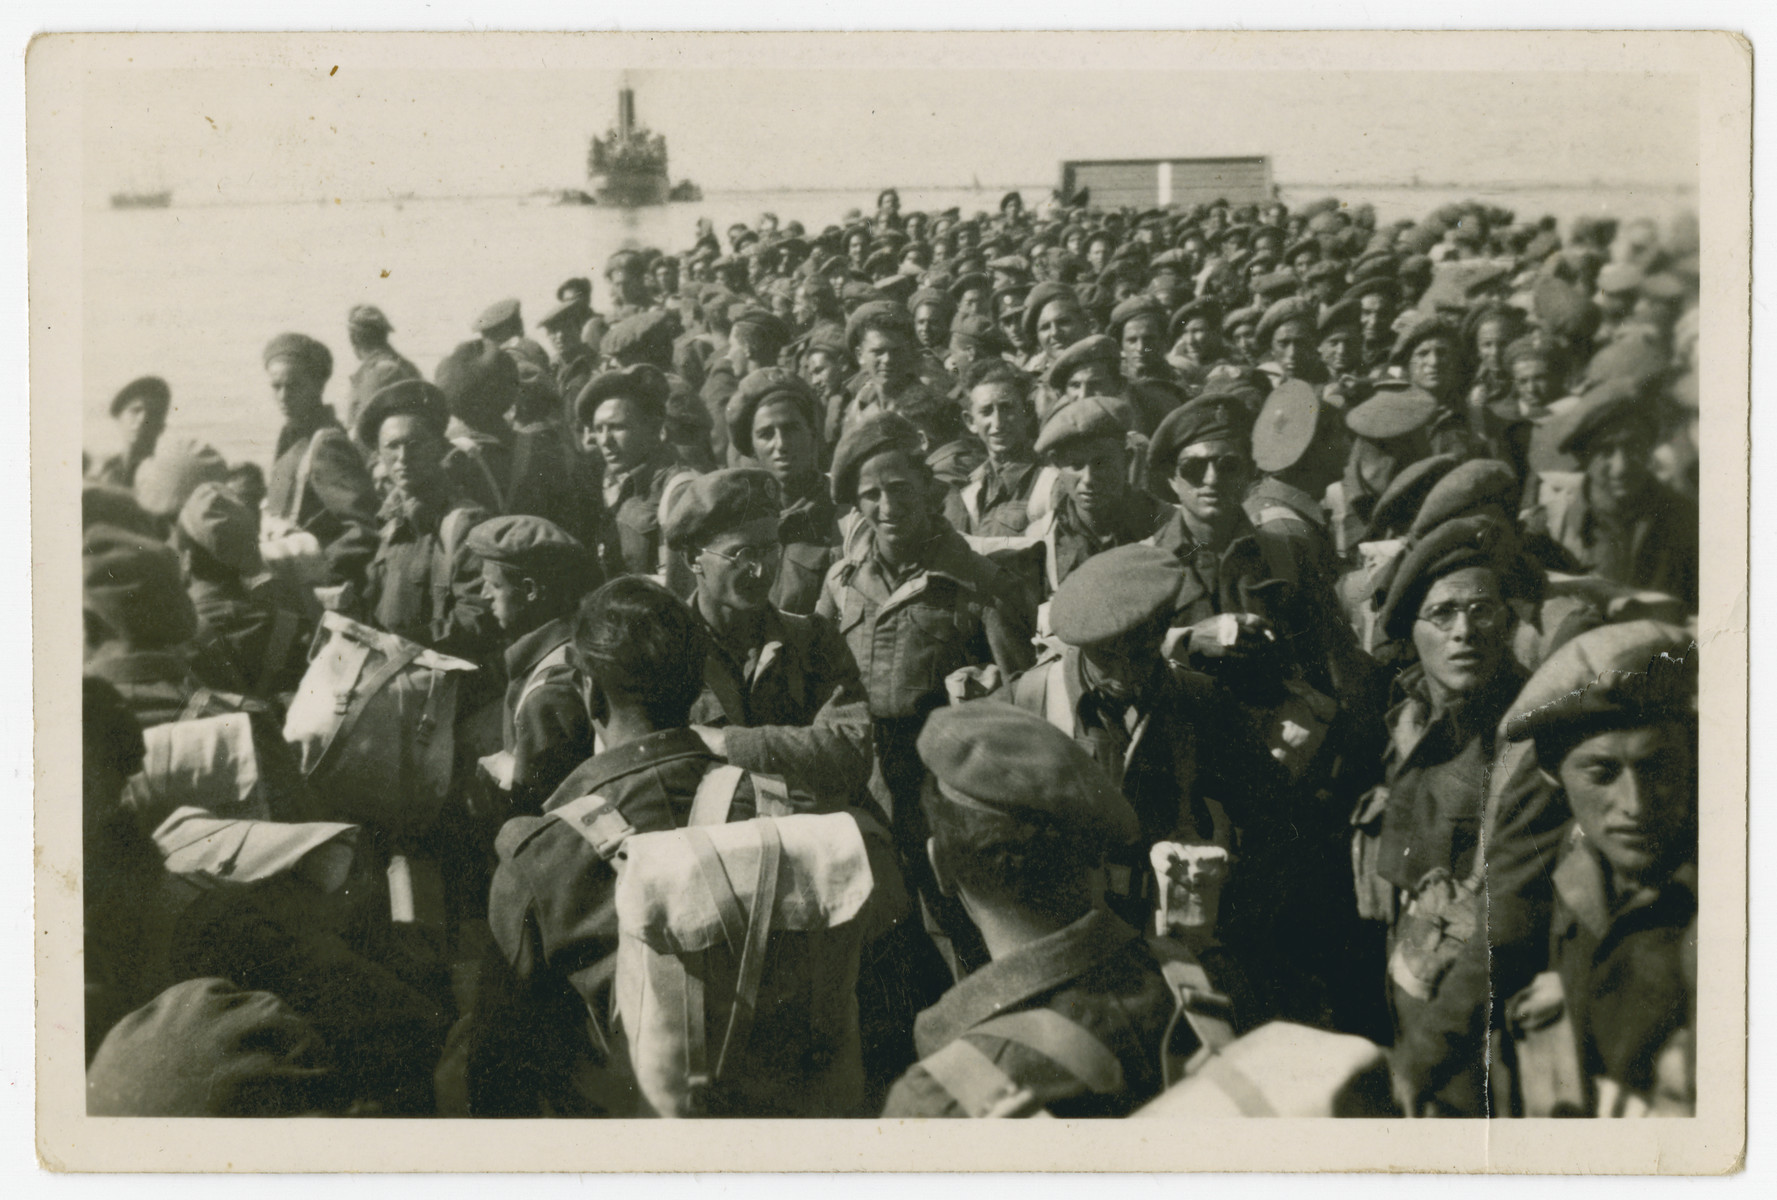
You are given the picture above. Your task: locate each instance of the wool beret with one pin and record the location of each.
(1286, 426)
(1663, 286)
(1419, 330)
(1563, 309)
(981, 330)
(878, 314)
(1324, 269)
(933, 296)
(303, 350)
(1469, 486)
(1613, 677)
(205, 1048)
(134, 585)
(1205, 419)
(477, 378)
(406, 397)
(1298, 246)
(1290, 308)
(151, 390)
(642, 383)
(1143, 305)
(368, 316)
(1274, 286)
(898, 289)
(1533, 345)
(1377, 285)
(878, 433)
(1095, 347)
(1041, 296)
(988, 754)
(533, 546)
(1206, 307)
(1392, 412)
(1014, 292)
(1344, 315)
(1619, 279)
(717, 502)
(1604, 408)
(767, 323)
(1629, 356)
(768, 383)
(166, 479)
(970, 281)
(1241, 316)
(1405, 495)
(1244, 385)
(1010, 264)
(1084, 418)
(1475, 541)
(500, 312)
(224, 528)
(1117, 591)
(828, 337)
(572, 311)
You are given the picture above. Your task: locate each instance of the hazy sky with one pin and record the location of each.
(240, 135)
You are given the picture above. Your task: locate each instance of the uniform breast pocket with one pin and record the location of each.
(932, 646)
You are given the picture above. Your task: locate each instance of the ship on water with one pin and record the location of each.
(141, 199)
(627, 167)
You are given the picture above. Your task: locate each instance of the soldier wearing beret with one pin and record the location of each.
(534, 575)
(914, 603)
(933, 311)
(972, 294)
(1286, 336)
(781, 692)
(1195, 334)
(1008, 313)
(1377, 297)
(424, 582)
(318, 481)
(479, 385)
(775, 419)
(1417, 852)
(1053, 320)
(575, 361)
(1611, 719)
(539, 1039)
(140, 410)
(825, 364)
(379, 364)
(1009, 490)
(882, 340)
(1621, 523)
(1240, 334)
(1339, 346)
(1020, 819)
(500, 322)
(620, 415)
(1088, 443)
(755, 340)
(974, 338)
(1139, 326)
(816, 303)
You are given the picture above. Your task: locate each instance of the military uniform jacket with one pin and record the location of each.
(1096, 972)
(1627, 967)
(425, 583)
(572, 374)
(1069, 543)
(1657, 549)
(809, 530)
(541, 1040)
(956, 610)
(1001, 499)
(629, 528)
(552, 479)
(265, 642)
(720, 383)
(319, 482)
(547, 729)
(1286, 511)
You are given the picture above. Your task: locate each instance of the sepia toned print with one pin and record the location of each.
(1213, 624)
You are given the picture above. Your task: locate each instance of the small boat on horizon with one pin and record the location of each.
(141, 199)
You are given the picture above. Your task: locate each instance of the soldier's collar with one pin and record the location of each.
(641, 754)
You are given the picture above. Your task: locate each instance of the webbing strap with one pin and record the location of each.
(1238, 1086)
(284, 628)
(715, 878)
(361, 696)
(715, 796)
(771, 796)
(598, 822)
(752, 959)
(1208, 1012)
(1067, 1043)
(973, 1080)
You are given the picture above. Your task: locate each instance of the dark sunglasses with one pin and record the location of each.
(1195, 470)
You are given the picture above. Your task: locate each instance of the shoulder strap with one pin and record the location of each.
(557, 657)
(356, 699)
(971, 498)
(715, 795)
(1206, 1011)
(973, 1080)
(284, 627)
(598, 822)
(1065, 1042)
(305, 466)
(771, 795)
(473, 450)
(1056, 710)
(454, 529)
(1041, 501)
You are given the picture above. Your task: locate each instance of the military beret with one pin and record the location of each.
(102, 504)
(1483, 276)
(1246, 386)
(134, 585)
(1241, 316)
(646, 337)
(1290, 308)
(1602, 409)
(1638, 359)
(1533, 345)
(1374, 272)
(826, 336)
(1344, 315)
(1405, 494)
(990, 755)
(1470, 486)
(977, 280)
(578, 287)
(981, 330)
(1094, 347)
(1286, 426)
(1324, 269)
(644, 384)
(1663, 286)
(1619, 279)
(1205, 419)
(1011, 291)
(500, 312)
(898, 289)
(1474, 541)
(1115, 592)
(718, 502)
(305, 351)
(205, 1048)
(1084, 418)
(151, 390)
(1275, 286)
(620, 260)
(368, 316)
(933, 296)
(878, 314)
(166, 479)
(687, 421)
(224, 528)
(405, 397)
(1325, 221)
(1207, 307)
(1563, 309)
(1143, 305)
(768, 383)
(572, 311)
(475, 378)
(1414, 266)
(1391, 413)
(878, 433)
(1612, 677)
(1379, 285)
(1040, 297)
(530, 358)
(768, 323)
(533, 546)
(1298, 246)
(1418, 331)
(1010, 264)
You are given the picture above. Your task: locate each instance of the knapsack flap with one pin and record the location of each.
(823, 882)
